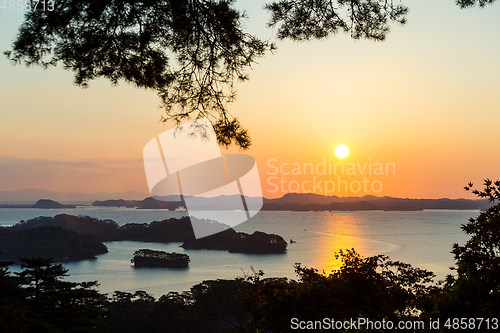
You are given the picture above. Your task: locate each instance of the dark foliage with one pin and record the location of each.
(39, 300)
(491, 190)
(11, 319)
(190, 52)
(44, 302)
(472, 3)
(49, 242)
(475, 290)
(140, 312)
(221, 301)
(318, 19)
(7, 285)
(373, 287)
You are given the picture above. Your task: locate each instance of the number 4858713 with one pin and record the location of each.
(27, 5)
(472, 323)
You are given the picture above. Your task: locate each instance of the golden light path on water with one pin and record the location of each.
(342, 232)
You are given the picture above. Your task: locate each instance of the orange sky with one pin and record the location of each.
(425, 100)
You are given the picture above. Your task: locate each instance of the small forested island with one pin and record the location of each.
(50, 204)
(239, 242)
(41, 204)
(152, 258)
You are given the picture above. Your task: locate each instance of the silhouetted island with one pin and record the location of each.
(317, 202)
(46, 203)
(48, 242)
(152, 258)
(42, 203)
(308, 202)
(239, 242)
(170, 230)
(148, 203)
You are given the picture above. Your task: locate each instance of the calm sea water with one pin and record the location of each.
(423, 239)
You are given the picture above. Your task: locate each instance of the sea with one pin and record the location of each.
(423, 239)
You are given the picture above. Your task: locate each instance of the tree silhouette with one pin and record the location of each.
(190, 51)
(55, 304)
(372, 287)
(472, 3)
(12, 316)
(305, 20)
(475, 291)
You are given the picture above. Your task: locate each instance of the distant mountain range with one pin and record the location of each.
(290, 201)
(31, 196)
(307, 202)
(315, 202)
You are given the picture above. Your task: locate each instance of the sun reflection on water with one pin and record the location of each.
(341, 232)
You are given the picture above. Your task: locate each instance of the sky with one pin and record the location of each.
(419, 113)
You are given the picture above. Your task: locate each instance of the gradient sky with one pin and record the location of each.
(425, 100)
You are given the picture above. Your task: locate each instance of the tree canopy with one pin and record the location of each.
(192, 51)
(472, 3)
(37, 299)
(475, 290)
(373, 287)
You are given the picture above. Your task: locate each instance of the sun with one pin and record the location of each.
(341, 151)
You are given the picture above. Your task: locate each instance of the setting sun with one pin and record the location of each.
(341, 151)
